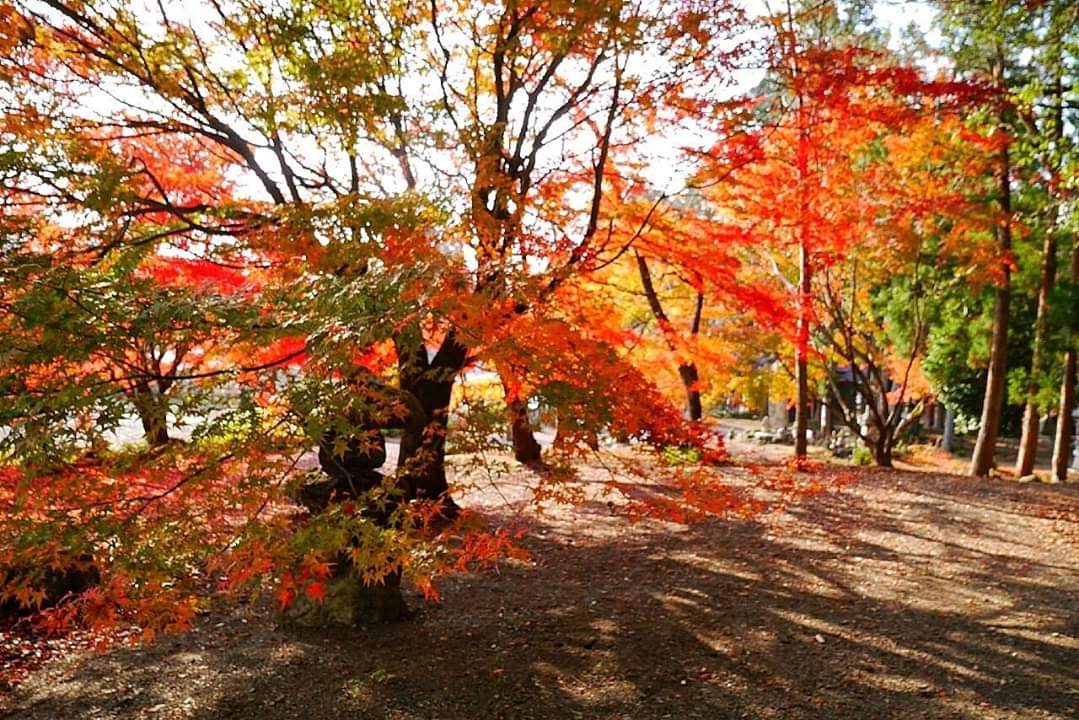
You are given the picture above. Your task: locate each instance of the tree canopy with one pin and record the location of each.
(261, 232)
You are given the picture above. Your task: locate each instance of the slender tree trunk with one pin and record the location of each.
(1064, 434)
(691, 381)
(826, 416)
(687, 368)
(691, 378)
(984, 458)
(947, 440)
(1028, 442)
(525, 447)
(801, 416)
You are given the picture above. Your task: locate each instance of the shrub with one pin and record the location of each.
(861, 456)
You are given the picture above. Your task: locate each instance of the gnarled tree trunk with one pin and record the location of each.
(430, 381)
(152, 409)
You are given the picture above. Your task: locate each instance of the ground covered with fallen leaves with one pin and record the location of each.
(897, 595)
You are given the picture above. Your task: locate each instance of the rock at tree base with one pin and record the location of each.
(348, 602)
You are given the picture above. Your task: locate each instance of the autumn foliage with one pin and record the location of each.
(269, 234)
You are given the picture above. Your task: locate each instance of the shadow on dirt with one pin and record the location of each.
(908, 596)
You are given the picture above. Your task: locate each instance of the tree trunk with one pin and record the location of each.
(427, 451)
(801, 416)
(687, 369)
(1028, 442)
(430, 381)
(826, 418)
(1063, 439)
(525, 448)
(882, 450)
(947, 440)
(153, 415)
(691, 381)
(984, 458)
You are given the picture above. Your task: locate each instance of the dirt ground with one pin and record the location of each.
(901, 595)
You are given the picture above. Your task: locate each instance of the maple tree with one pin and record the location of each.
(785, 192)
(876, 307)
(850, 177)
(684, 271)
(262, 227)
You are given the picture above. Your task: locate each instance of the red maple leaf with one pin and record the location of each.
(316, 591)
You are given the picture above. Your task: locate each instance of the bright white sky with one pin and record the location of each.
(899, 14)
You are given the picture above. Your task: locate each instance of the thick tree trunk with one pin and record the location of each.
(430, 381)
(153, 416)
(1064, 434)
(353, 472)
(882, 452)
(156, 433)
(984, 458)
(426, 450)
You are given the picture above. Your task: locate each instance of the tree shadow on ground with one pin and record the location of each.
(884, 601)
